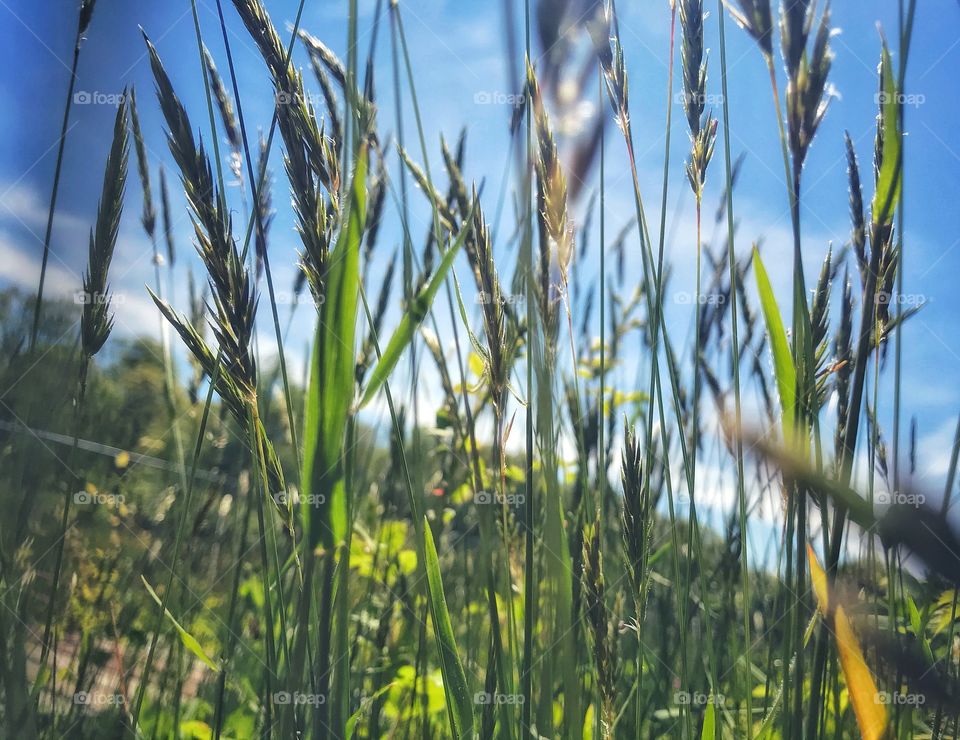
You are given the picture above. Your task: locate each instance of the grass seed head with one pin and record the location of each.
(149, 215)
(552, 186)
(329, 97)
(808, 95)
(606, 43)
(97, 319)
(224, 102)
(491, 302)
(598, 618)
(754, 17)
(701, 152)
(167, 218)
(635, 516)
(86, 15)
(858, 235)
(295, 112)
(694, 65)
(843, 361)
(322, 54)
(264, 203)
(232, 293)
(796, 18)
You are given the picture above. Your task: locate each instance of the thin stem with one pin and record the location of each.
(48, 233)
(735, 361)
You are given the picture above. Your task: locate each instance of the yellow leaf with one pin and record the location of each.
(870, 712)
(122, 460)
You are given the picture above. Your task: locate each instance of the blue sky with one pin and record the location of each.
(458, 57)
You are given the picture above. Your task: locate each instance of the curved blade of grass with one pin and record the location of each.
(189, 641)
(784, 369)
(412, 319)
(330, 394)
(871, 714)
(889, 181)
(459, 704)
(365, 703)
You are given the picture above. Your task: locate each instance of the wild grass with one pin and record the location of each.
(532, 553)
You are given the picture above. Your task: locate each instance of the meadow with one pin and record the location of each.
(528, 480)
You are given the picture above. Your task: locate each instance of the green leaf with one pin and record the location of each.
(196, 729)
(364, 706)
(708, 731)
(412, 319)
(891, 168)
(459, 702)
(783, 366)
(917, 625)
(189, 641)
(331, 389)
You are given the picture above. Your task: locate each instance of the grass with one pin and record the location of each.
(529, 556)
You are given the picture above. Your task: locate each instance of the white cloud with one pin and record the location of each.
(30, 209)
(22, 269)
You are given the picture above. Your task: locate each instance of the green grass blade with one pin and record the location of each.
(411, 320)
(459, 703)
(330, 394)
(783, 367)
(889, 181)
(189, 641)
(707, 732)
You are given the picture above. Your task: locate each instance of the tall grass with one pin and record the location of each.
(478, 567)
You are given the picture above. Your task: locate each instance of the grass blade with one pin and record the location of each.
(784, 369)
(459, 704)
(189, 641)
(412, 319)
(889, 181)
(331, 378)
(871, 715)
